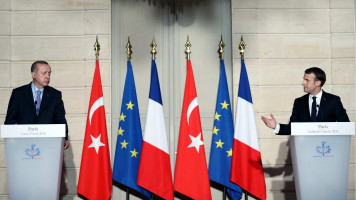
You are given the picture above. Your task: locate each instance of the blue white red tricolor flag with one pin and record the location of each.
(246, 166)
(155, 172)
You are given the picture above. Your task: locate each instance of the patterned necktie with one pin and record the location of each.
(313, 112)
(38, 101)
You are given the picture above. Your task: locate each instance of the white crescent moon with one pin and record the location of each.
(97, 104)
(193, 104)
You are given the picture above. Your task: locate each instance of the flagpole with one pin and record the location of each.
(153, 46)
(242, 47)
(128, 49)
(191, 176)
(246, 195)
(221, 49)
(187, 48)
(97, 48)
(221, 55)
(224, 193)
(129, 52)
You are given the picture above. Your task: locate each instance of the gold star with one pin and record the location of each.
(219, 144)
(124, 144)
(120, 131)
(229, 153)
(217, 116)
(134, 153)
(224, 105)
(215, 130)
(122, 117)
(130, 106)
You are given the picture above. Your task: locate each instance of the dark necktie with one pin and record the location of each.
(38, 101)
(313, 111)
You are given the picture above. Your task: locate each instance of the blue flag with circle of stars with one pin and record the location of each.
(222, 140)
(129, 138)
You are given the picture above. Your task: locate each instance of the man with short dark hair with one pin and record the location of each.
(316, 106)
(37, 103)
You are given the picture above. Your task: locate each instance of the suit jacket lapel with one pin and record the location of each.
(45, 98)
(306, 107)
(323, 101)
(29, 98)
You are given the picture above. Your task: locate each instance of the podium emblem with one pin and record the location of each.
(33, 151)
(323, 150)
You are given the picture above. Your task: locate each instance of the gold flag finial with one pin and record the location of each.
(97, 48)
(153, 46)
(129, 50)
(221, 48)
(242, 47)
(187, 48)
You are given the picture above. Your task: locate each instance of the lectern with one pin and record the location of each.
(320, 157)
(34, 156)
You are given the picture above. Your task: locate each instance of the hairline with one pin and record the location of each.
(34, 67)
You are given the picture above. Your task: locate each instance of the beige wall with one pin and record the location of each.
(283, 39)
(62, 33)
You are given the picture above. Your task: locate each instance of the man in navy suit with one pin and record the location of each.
(316, 106)
(37, 103)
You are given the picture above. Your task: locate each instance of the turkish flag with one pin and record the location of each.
(191, 176)
(95, 178)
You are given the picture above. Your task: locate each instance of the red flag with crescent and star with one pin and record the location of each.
(95, 178)
(191, 176)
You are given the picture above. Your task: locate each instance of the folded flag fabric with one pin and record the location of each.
(191, 176)
(222, 140)
(95, 177)
(155, 172)
(129, 138)
(246, 166)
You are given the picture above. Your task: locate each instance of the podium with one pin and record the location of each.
(34, 156)
(320, 158)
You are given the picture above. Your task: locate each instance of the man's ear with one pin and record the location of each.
(33, 74)
(318, 83)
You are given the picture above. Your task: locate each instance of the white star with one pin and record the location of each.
(196, 142)
(96, 143)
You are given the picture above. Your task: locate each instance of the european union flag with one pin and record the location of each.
(129, 138)
(222, 141)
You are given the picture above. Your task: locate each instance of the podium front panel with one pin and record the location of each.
(321, 166)
(34, 167)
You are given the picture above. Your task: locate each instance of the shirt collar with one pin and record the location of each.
(318, 96)
(34, 88)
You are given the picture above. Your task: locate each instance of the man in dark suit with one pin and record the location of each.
(37, 103)
(316, 106)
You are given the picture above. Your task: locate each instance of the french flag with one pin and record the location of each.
(246, 165)
(155, 172)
